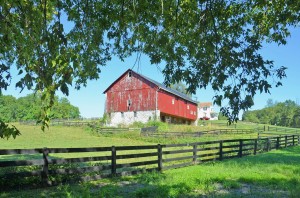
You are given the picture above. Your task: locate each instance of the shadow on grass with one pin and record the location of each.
(146, 190)
(21, 157)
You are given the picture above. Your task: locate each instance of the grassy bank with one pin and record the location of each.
(274, 174)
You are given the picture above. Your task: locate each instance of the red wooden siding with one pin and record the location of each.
(144, 94)
(179, 108)
(139, 91)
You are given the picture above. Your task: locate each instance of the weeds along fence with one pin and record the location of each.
(23, 168)
(94, 125)
(196, 134)
(113, 130)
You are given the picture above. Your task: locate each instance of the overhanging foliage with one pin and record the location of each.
(205, 42)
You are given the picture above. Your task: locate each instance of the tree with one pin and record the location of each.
(296, 118)
(222, 117)
(212, 42)
(250, 116)
(62, 109)
(7, 108)
(270, 103)
(181, 87)
(28, 108)
(283, 114)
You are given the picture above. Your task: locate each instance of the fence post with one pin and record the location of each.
(255, 147)
(221, 151)
(241, 148)
(285, 141)
(264, 127)
(45, 171)
(293, 140)
(159, 155)
(298, 139)
(113, 161)
(277, 143)
(268, 144)
(195, 153)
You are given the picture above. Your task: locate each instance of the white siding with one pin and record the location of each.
(206, 112)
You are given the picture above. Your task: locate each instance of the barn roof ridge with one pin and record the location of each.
(160, 85)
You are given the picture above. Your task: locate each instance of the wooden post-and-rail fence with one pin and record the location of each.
(37, 167)
(195, 134)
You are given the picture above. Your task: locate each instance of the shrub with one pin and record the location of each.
(137, 125)
(162, 126)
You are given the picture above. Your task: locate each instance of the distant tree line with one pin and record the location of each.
(276, 113)
(29, 108)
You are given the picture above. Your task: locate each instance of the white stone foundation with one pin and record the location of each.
(129, 117)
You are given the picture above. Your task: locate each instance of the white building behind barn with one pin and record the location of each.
(206, 111)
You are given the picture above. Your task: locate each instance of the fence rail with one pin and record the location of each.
(115, 130)
(234, 125)
(196, 134)
(283, 130)
(45, 166)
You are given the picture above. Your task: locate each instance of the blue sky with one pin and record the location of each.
(91, 99)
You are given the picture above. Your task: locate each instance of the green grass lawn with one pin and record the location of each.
(273, 174)
(62, 137)
(68, 137)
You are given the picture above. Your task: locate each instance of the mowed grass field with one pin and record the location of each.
(61, 137)
(274, 174)
(70, 137)
(84, 137)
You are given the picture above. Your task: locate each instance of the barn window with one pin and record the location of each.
(129, 74)
(188, 106)
(204, 108)
(135, 114)
(122, 114)
(173, 101)
(128, 104)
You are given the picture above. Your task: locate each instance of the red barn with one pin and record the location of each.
(134, 97)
